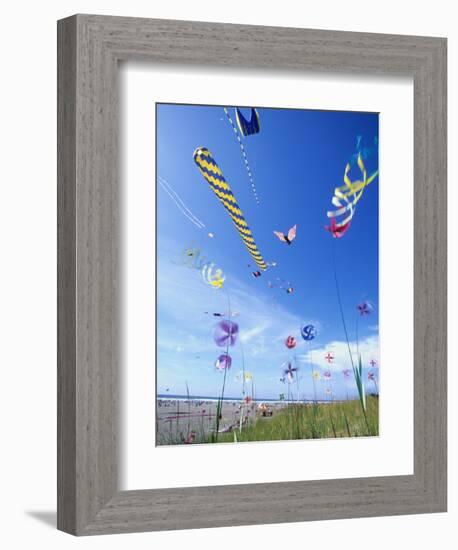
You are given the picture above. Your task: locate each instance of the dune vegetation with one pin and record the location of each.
(311, 421)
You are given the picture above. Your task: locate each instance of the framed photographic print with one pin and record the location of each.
(252, 275)
(289, 383)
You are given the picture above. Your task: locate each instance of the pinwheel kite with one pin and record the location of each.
(225, 333)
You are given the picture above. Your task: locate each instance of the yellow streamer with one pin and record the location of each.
(347, 196)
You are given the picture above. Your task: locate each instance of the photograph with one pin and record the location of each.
(267, 274)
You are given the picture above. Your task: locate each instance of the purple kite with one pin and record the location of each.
(365, 308)
(223, 362)
(225, 333)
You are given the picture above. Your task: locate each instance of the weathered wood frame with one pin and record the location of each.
(89, 49)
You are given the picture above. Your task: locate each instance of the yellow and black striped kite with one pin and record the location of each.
(215, 179)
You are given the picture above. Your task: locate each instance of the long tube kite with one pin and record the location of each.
(215, 179)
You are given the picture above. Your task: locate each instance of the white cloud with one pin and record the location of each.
(249, 335)
(368, 348)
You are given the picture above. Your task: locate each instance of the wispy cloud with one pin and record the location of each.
(185, 344)
(185, 320)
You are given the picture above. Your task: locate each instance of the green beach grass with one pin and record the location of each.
(323, 420)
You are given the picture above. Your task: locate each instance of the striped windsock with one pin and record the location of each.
(215, 179)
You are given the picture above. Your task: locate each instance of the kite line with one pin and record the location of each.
(244, 155)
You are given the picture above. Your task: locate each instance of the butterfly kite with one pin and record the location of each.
(289, 237)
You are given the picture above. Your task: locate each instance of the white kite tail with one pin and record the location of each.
(179, 202)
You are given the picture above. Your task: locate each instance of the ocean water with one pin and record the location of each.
(176, 397)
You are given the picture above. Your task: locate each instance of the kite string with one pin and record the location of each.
(357, 335)
(243, 386)
(312, 370)
(219, 409)
(314, 404)
(339, 300)
(244, 155)
(179, 203)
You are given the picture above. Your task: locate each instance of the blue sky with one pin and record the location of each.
(297, 160)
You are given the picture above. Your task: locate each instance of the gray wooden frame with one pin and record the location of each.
(89, 49)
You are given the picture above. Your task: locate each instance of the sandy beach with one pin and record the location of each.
(178, 419)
